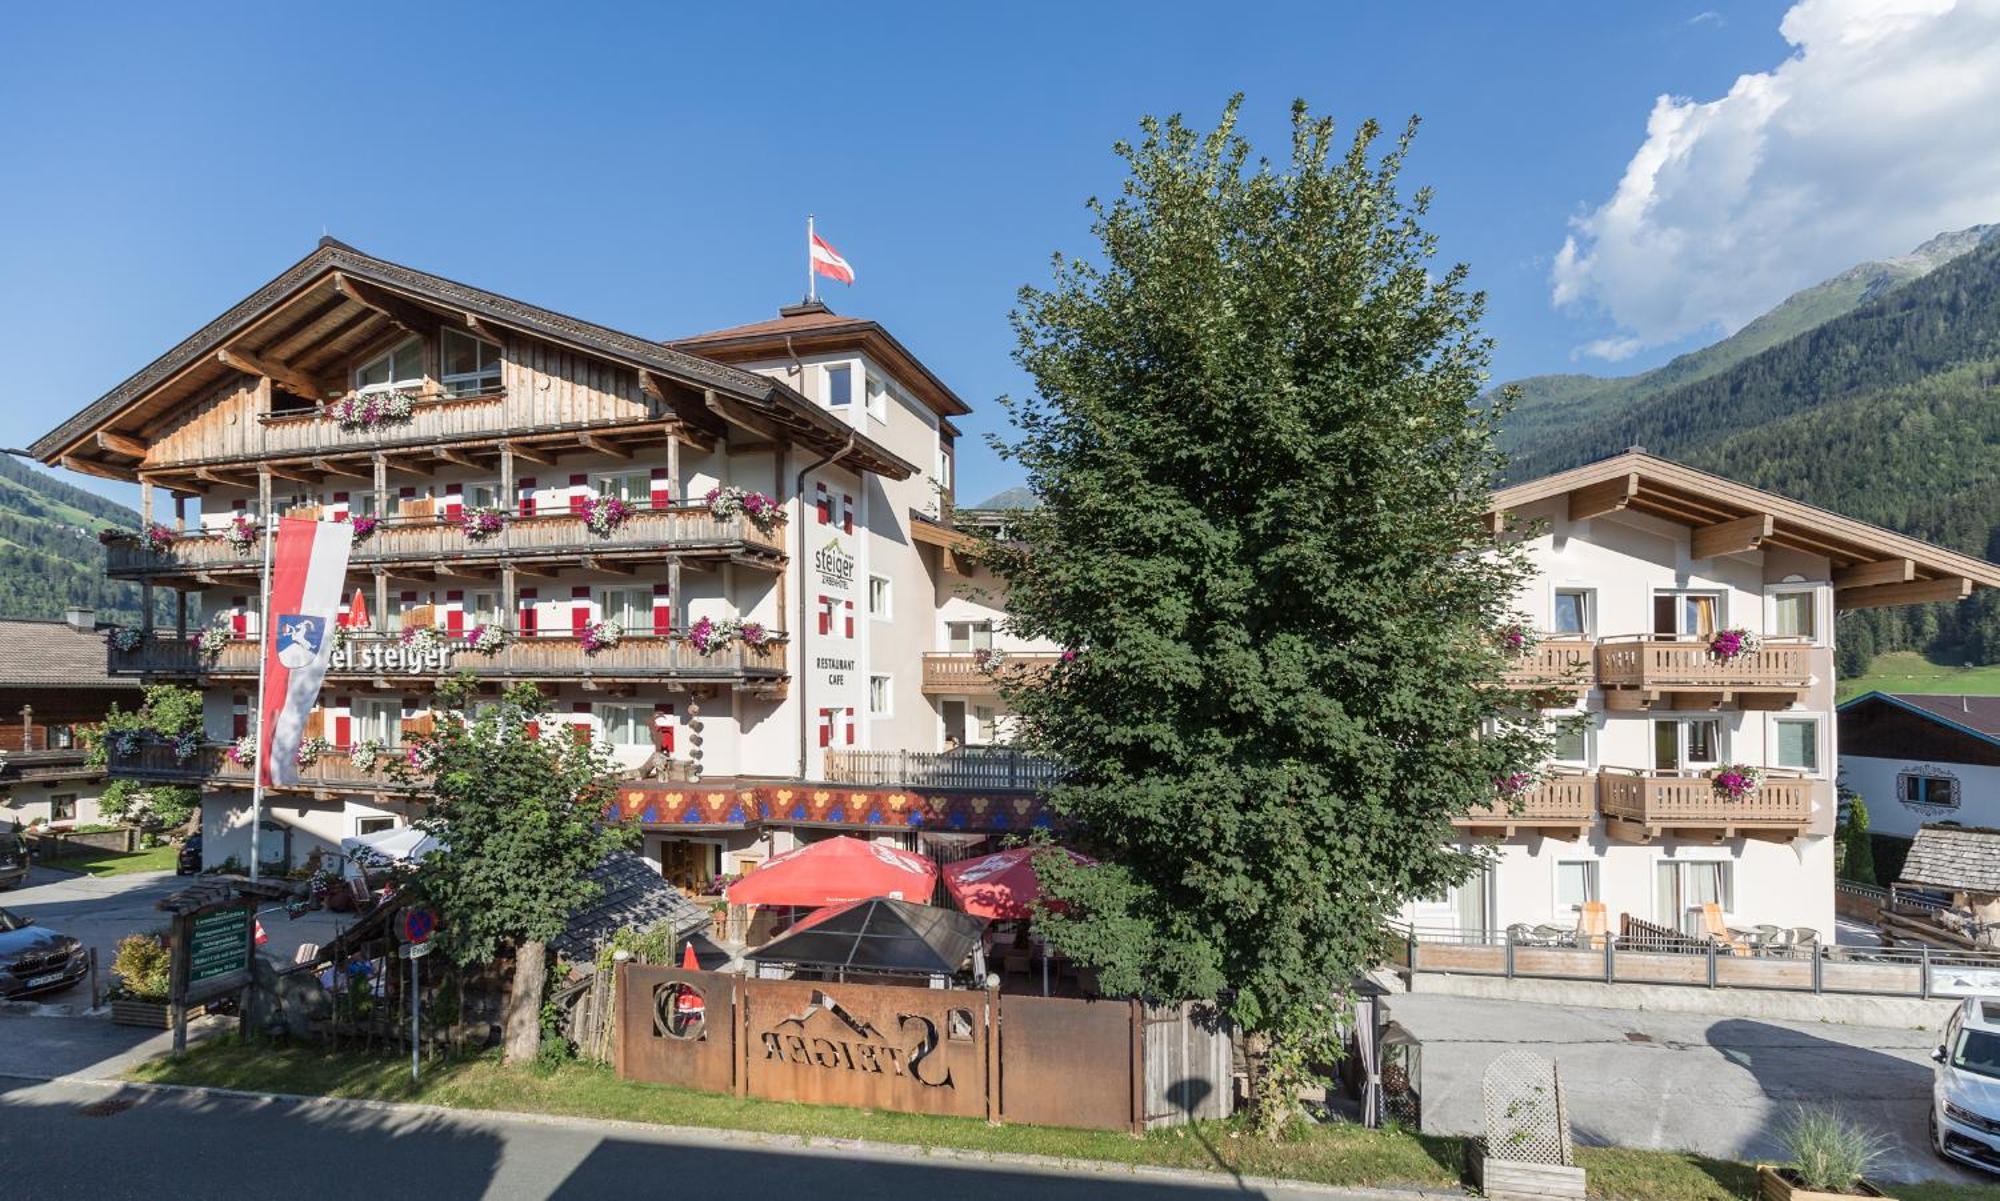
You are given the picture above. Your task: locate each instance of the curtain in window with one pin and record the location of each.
(1792, 615)
(1570, 615)
(1700, 611)
(1798, 745)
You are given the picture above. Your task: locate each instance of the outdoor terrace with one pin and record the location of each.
(952, 673)
(1639, 806)
(418, 538)
(1641, 671)
(1563, 805)
(634, 658)
(992, 769)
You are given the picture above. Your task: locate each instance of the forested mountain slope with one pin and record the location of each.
(50, 558)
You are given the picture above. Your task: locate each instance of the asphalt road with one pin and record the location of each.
(102, 910)
(69, 1139)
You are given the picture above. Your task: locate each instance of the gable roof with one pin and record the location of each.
(313, 277)
(812, 328)
(1978, 716)
(1958, 858)
(1872, 567)
(55, 654)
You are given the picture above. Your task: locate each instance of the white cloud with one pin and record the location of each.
(1708, 17)
(1878, 132)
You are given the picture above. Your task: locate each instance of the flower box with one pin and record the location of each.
(1775, 1184)
(150, 1015)
(1516, 1180)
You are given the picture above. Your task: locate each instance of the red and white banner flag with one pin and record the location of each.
(308, 567)
(827, 261)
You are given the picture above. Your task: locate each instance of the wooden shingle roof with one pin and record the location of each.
(1954, 858)
(55, 654)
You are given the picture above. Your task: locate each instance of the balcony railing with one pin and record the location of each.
(332, 770)
(425, 538)
(1644, 662)
(541, 657)
(1653, 803)
(1554, 663)
(954, 672)
(1566, 800)
(999, 769)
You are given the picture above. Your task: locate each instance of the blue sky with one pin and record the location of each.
(651, 168)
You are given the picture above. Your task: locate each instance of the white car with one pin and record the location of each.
(1965, 1098)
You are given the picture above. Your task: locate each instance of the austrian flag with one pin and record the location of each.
(827, 261)
(308, 566)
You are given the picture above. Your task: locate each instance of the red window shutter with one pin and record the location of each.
(526, 491)
(454, 501)
(663, 611)
(343, 731)
(664, 729)
(239, 624)
(578, 485)
(239, 724)
(825, 727)
(850, 619)
(847, 514)
(848, 715)
(527, 618)
(454, 618)
(580, 730)
(663, 489)
(826, 615)
(825, 504)
(579, 613)
(533, 729)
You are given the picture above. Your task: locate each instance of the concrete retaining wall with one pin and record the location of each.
(1902, 1013)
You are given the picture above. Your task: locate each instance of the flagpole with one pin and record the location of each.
(257, 765)
(812, 280)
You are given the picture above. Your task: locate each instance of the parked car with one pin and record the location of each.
(34, 960)
(1965, 1096)
(13, 858)
(188, 861)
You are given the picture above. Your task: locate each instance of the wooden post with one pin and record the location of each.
(381, 486)
(180, 512)
(27, 727)
(177, 944)
(181, 613)
(674, 604)
(993, 1026)
(1138, 1066)
(145, 501)
(506, 499)
(146, 607)
(263, 494)
(510, 611)
(674, 493)
(381, 600)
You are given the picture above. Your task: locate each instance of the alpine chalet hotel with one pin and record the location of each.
(729, 557)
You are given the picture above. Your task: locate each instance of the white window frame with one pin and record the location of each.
(479, 382)
(639, 497)
(1589, 726)
(643, 624)
(364, 821)
(971, 625)
(639, 717)
(1818, 769)
(888, 607)
(833, 371)
(888, 684)
(1681, 919)
(364, 712)
(1593, 881)
(1687, 764)
(875, 395)
(1589, 610)
(1812, 593)
(1680, 595)
(392, 384)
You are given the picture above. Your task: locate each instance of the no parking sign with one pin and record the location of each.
(418, 924)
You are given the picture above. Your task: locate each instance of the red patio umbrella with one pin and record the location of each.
(837, 870)
(1001, 885)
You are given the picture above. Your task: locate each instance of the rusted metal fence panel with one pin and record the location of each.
(1066, 1062)
(919, 1050)
(677, 1027)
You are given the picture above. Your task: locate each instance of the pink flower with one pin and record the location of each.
(701, 634)
(1069, 656)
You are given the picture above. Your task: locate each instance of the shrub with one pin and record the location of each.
(1829, 1153)
(144, 967)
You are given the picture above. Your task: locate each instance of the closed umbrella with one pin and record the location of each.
(1002, 885)
(836, 871)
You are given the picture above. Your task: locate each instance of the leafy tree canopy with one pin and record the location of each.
(1264, 465)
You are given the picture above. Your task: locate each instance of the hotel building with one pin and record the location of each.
(776, 674)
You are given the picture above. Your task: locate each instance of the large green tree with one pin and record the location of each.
(1263, 465)
(518, 809)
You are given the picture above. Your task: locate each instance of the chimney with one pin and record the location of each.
(80, 617)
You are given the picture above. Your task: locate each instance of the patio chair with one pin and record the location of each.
(1520, 933)
(1593, 926)
(1803, 940)
(1718, 931)
(1554, 936)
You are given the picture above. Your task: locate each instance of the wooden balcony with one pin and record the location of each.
(334, 771)
(419, 541)
(1644, 672)
(954, 673)
(637, 658)
(1562, 805)
(1640, 806)
(1555, 666)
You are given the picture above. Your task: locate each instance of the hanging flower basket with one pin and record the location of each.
(763, 511)
(364, 527)
(708, 635)
(487, 639)
(604, 514)
(242, 533)
(1736, 781)
(600, 635)
(423, 639)
(375, 409)
(421, 756)
(1517, 639)
(157, 538)
(242, 752)
(1513, 786)
(1732, 643)
(123, 743)
(124, 638)
(310, 749)
(482, 522)
(208, 643)
(364, 754)
(186, 745)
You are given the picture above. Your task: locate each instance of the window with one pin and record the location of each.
(402, 367)
(373, 825)
(1797, 743)
(1681, 889)
(632, 487)
(631, 608)
(1576, 884)
(878, 596)
(379, 721)
(943, 468)
(62, 807)
(1572, 740)
(1792, 614)
(1684, 744)
(839, 386)
(965, 637)
(1918, 788)
(481, 496)
(483, 609)
(985, 731)
(878, 397)
(1573, 612)
(62, 738)
(1687, 614)
(470, 367)
(626, 725)
(878, 696)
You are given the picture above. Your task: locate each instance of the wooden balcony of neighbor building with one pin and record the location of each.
(1640, 806)
(1557, 664)
(1645, 671)
(1561, 805)
(418, 539)
(634, 658)
(981, 768)
(332, 771)
(952, 673)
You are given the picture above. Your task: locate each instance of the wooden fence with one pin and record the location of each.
(997, 768)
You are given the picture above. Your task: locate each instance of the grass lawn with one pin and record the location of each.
(1908, 671)
(1335, 1155)
(117, 863)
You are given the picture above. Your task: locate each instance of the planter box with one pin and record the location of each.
(1773, 1184)
(153, 1015)
(1513, 1180)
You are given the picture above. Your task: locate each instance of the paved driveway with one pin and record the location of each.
(1719, 1086)
(102, 910)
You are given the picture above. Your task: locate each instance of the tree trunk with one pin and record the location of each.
(524, 1003)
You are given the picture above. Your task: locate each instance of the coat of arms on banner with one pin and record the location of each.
(299, 639)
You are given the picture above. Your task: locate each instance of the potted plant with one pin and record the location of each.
(144, 968)
(1830, 1157)
(1736, 781)
(1733, 643)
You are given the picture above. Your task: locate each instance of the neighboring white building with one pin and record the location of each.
(1917, 759)
(1639, 564)
(353, 388)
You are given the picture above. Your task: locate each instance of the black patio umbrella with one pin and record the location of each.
(878, 935)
